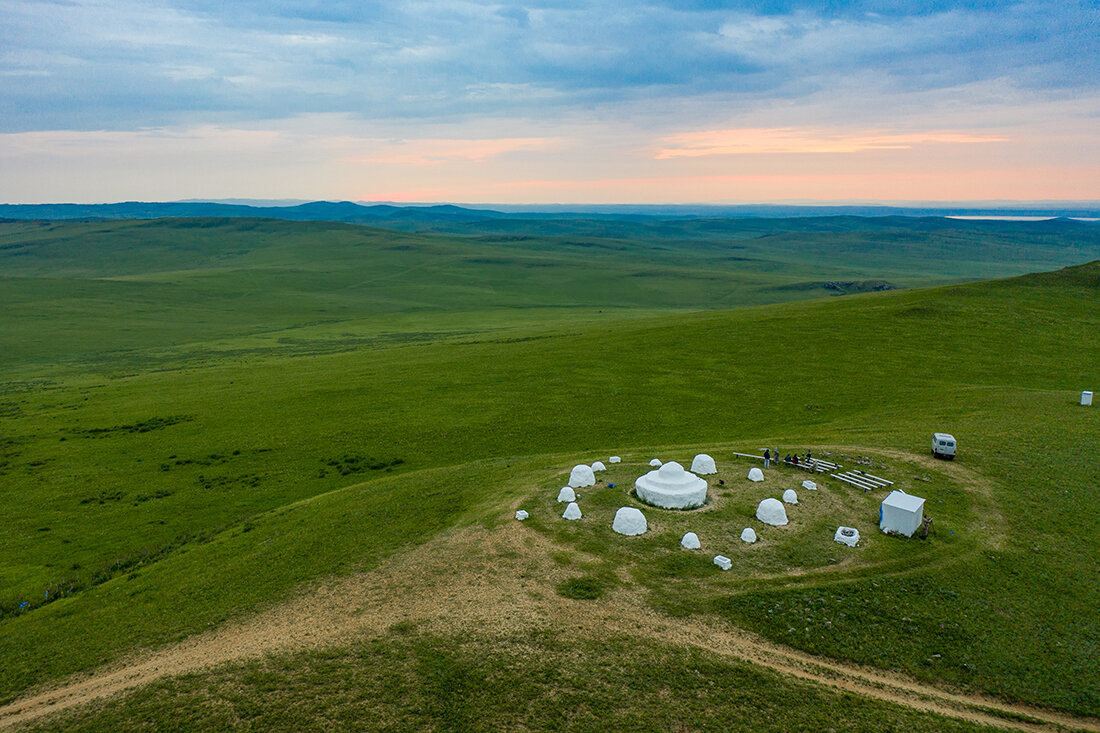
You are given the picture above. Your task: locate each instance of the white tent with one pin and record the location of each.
(656, 463)
(598, 466)
(703, 465)
(671, 487)
(572, 511)
(748, 534)
(771, 511)
(901, 513)
(567, 494)
(790, 496)
(846, 536)
(581, 475)
(808, 484)
(521, 514)
(690, 541)
(614, 459)
(755, 474)
(629, 521)
(723, 562)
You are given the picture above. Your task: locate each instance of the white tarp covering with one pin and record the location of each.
(703, 465)
(808, 484)
(614, 459)
(572, 511)
(723, 562)
(581, 475)
(748, 534)
(598, 466)
(629, 521)
(755, 474)
(567, 494)
(656, 463)
(690, 541)
(771, 511)
(521, 515)
(901, 513)
(671, 487)
(790, 497)
(847, 535)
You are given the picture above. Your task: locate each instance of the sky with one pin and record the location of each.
(555, 101)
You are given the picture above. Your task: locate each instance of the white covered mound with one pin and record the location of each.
(598, 466)
(567, 494)
(521, 515)
(755, 474)
(671, 487)
(629, 521)
(847, 535)
(655, 462)
(581, 475)
(572, 511)
(771, 511)
(790, 496)
(748, 535)
(614, 459)
(808, 484)
(690, 541)
(703, 465)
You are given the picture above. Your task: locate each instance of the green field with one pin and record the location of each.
(205, 419)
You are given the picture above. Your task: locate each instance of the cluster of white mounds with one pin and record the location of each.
(521, 515)
(771, 511)
(790, 497)
(723, 562)
(755, 474)
(572, 511)
(748, 534)
(614, 459)
(581, 476)
(671, 487)
(703, 465)
(846, 535)
(690, 541)
(656, 462)
(567, 494)
(629, 521)
(808, 484)
(598, 466)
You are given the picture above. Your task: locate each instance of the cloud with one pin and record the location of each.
(434, 152)
(786, 140)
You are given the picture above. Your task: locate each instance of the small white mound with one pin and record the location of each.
(567, 494)
(703, 465)
(790, 497)
(581, 475)
(847, 536)
(572, 511)
(598, 466)
(629, 521)
(808, 484)
(521, 515)
(723, 562)
(671, 487)
(614, 459)
(690, 541)
(771, 511)
(748, 534)
(656, 463)
(755, 474)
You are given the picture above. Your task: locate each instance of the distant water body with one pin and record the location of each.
(1022, 218)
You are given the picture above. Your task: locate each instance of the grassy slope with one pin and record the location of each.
(997, 364)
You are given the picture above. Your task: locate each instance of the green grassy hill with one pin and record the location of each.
(146, 500)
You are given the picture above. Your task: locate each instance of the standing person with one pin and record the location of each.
(767, 457)
(775, 455)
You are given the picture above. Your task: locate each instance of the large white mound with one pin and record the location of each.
(690, 541)
(703, 465)
(771, 511)
(748, 534)
(656, 462)
(614, 459)
(847, 535)
(581, 475)
(755, 474)
(790, 496)
(572, 511)
(671, 487)
(567, 494)
(629, 521)
(598, 466)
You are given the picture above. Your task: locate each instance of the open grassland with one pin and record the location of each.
(145, 501)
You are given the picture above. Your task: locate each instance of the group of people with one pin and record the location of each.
(769, 456)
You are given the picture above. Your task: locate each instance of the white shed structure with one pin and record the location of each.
(901, 513)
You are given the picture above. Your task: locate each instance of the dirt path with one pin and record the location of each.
(501, 580)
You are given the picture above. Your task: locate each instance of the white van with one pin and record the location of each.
(943, 445)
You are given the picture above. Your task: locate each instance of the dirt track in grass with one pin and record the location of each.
(502, 579)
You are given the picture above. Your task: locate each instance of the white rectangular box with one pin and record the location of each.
(1086, 398)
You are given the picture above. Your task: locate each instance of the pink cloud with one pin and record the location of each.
(787, 140)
